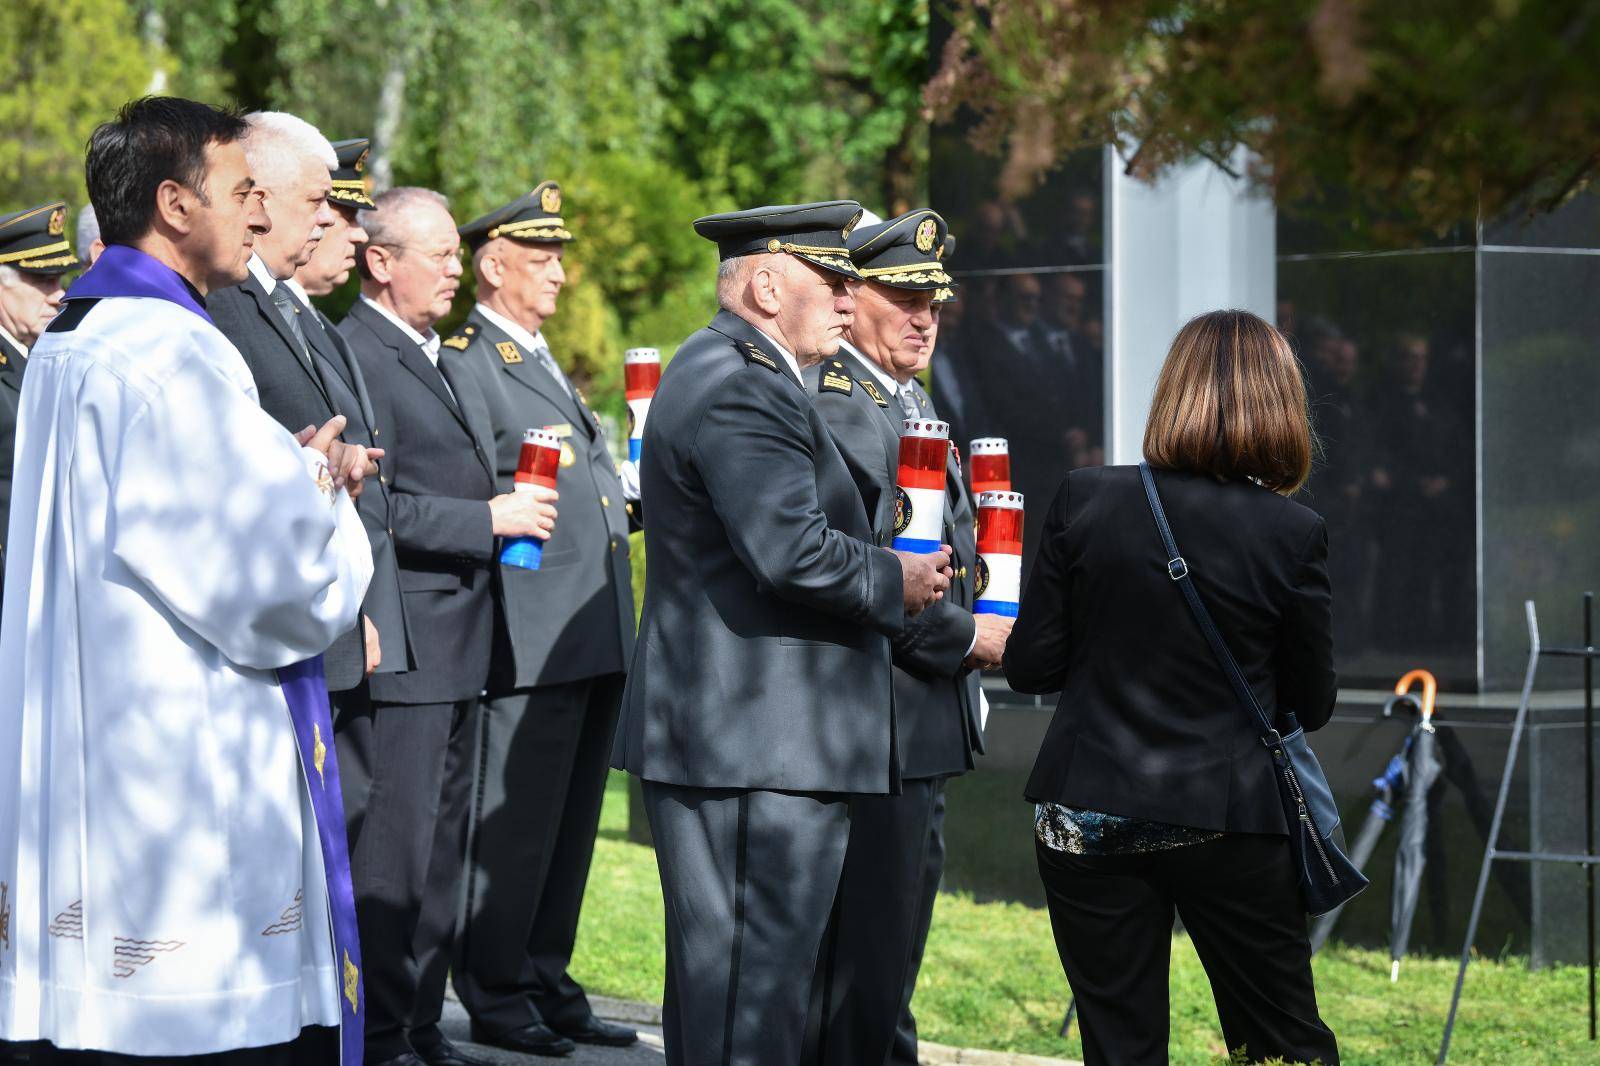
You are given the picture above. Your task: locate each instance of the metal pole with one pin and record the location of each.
(1588, 787)
(1494, 827)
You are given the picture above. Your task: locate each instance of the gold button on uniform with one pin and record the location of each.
(605, 501)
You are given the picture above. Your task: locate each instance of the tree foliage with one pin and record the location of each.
(1412, 112)
(69, 65)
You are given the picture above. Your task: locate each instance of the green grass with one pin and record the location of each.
(992, 980)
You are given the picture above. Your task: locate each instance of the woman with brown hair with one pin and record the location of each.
(1154, 793)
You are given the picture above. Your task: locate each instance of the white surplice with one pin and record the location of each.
(161, 883)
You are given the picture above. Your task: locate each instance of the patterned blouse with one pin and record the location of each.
(1081, 832)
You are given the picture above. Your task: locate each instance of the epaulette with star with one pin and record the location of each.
(836, 378)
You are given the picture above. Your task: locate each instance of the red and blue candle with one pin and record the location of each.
(641, 370)
(999, 585)
(919, 489)
(537, 465)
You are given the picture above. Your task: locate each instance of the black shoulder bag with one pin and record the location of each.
(1327, 878)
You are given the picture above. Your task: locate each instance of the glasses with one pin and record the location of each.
(440, 260)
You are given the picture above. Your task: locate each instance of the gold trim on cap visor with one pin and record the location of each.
(910, 272)
(541, 227)
(41, 250)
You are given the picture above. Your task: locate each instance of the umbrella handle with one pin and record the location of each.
(1430, 688)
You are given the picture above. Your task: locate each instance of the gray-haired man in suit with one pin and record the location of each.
(759, 697)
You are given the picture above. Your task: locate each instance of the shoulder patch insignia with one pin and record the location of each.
(871, 389)
(509, 353)
(835, 378)
(459, 342)
(756, 355)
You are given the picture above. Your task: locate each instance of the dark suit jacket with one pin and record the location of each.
(573, 617)
(440, 478)
(1147, 725)
(937, 719)
(295, 393)
(763, 655)
(13, 360)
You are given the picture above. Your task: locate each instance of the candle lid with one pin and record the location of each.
(641, 355)
(989, 446)
(543, 438)
(1011, 501)
(926, 427)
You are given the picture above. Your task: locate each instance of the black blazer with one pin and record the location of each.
(13, 360)
(440, 479)
(937, 718)
(763, 653)
(1147, 725)
(573, 617)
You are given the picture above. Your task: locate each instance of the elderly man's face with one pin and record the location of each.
(530, 277)
(334, 256)
(425, 271)
(30, 301)
(297, 203)
(816, 307)
(893, 327)
(227, 217)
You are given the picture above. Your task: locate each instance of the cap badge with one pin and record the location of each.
(927, 230)
(550, 200)
(361, 160)
(58, 222)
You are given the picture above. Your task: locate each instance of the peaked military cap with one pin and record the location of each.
(533, 219)
(946, 294)
(904, 252)
(350, 177)
(815, 232)
(35, 240)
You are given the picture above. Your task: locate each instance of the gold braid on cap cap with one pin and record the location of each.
(35, 253)
(547, 228)
(914, 272)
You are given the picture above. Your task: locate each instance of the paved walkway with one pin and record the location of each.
(645, 1018)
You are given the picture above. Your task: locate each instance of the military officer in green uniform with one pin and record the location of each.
(34, 255)
(564, 635)
(895, 859)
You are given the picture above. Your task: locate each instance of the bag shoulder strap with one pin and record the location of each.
(1178, 570)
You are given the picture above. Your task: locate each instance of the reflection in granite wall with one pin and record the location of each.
(1541, 454)
(1021, 353)
(1388, 342)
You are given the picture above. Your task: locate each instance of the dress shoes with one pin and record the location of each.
(603, 1033)
(444, 1053)
(408, 1058)
(530, 1040)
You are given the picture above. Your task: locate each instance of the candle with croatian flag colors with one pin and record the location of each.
(919, 494)
(999, 584)
(537, 465)
(990, 458)
(641, 369)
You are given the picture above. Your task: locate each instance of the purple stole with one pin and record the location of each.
(125, 271)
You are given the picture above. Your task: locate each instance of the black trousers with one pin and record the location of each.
(748, 879)
(543, 760)
(315, 1046)
(904, 1052)
(1112, 918)
(406, 771)
(877, 929)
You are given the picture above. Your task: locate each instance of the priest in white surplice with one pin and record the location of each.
(177, 563)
